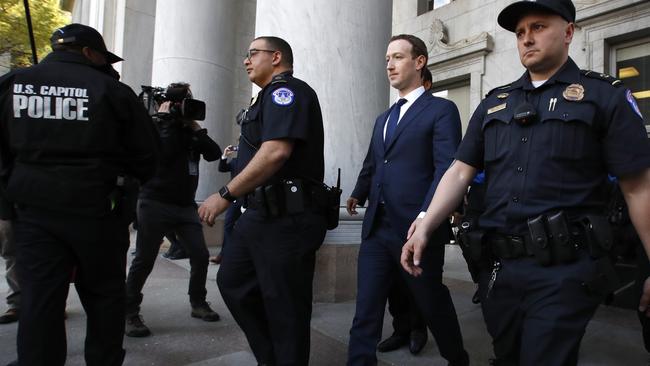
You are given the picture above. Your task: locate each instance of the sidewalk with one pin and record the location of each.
(612, 338)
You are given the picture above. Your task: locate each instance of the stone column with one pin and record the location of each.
(194, 42)
(339, 48)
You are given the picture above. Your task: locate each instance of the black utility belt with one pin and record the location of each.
(551, 239)
(289, 197)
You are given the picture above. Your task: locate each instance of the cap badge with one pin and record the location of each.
(574, 92)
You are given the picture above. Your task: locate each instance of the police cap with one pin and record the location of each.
(510, 15)
(82, 35)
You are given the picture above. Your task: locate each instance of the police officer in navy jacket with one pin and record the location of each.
(546, 143)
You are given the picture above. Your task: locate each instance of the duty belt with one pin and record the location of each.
(504, 246)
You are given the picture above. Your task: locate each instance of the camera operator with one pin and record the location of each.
(166, 203)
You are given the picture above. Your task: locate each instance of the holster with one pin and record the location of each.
(539, 241)
(472, 244)
(598, 234)
(562, 248)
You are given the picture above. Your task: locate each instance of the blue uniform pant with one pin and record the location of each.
(155, 219)
(48, 247)
(266, 278)
(378, 265)
(537, 315)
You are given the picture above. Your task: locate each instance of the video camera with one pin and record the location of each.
(183, 106)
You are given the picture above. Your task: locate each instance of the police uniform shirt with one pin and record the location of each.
(587, 125)
(286, 108)
(68, 131)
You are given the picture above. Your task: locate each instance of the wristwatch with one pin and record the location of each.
(225, 193)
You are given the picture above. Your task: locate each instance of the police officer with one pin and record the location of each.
(266, 274)
(166, 203)
(546, 142)
(72, 135)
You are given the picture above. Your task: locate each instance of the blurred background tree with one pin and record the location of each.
(14, 37)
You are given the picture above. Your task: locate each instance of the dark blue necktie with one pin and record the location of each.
(393, 119)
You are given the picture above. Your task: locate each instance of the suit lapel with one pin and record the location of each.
(378, 133)
(409, 116)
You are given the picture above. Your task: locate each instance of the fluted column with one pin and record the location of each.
(194, 42)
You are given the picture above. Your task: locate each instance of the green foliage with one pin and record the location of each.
(14, 37)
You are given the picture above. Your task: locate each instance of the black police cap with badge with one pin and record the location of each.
(510, 15)
(84, 36)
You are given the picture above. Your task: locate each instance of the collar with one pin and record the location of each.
(569, 73)
(412, 96)
(65, 56)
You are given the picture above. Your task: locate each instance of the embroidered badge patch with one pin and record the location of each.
(283, 96)
(632, 101)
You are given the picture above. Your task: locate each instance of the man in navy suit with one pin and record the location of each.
(412, 145)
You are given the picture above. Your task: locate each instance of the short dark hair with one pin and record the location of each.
(279, 44)
(418, 48)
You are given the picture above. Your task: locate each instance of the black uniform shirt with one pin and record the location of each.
(587, 126)
(287, 108)
(68, 131)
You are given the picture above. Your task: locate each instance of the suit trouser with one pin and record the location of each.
(265, 279)
(403, 309)
(155, 219)
(537, 315)
(48, 246)
(8, 252)
(378, 264)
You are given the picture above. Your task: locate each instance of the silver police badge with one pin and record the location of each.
(282, 96)
(574, 93)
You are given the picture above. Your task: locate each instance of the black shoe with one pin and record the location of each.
(135, 326)
(462, 361)
(175, 254)
(418, 341)
(204, 312)
(10, 316)
(393, 342)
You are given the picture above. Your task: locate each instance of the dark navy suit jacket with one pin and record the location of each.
(407, 169)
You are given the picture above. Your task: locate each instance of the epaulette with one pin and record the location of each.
(600, 76)
(501, 88)
(280, 78)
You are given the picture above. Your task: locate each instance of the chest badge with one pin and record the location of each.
(283, 96)
(574, 93)
(503, 95)
(497, 108)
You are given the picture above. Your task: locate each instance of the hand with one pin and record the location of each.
(645, 298)
(229, 151)
(164, 107)
(351, 206)
(212, 207)
(412, 251)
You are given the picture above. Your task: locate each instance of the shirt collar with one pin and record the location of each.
(412, 96)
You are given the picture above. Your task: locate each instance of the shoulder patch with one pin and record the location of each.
(283, 96)
(600, 76)
(632, 102)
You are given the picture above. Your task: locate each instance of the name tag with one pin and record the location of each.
(497, 108)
